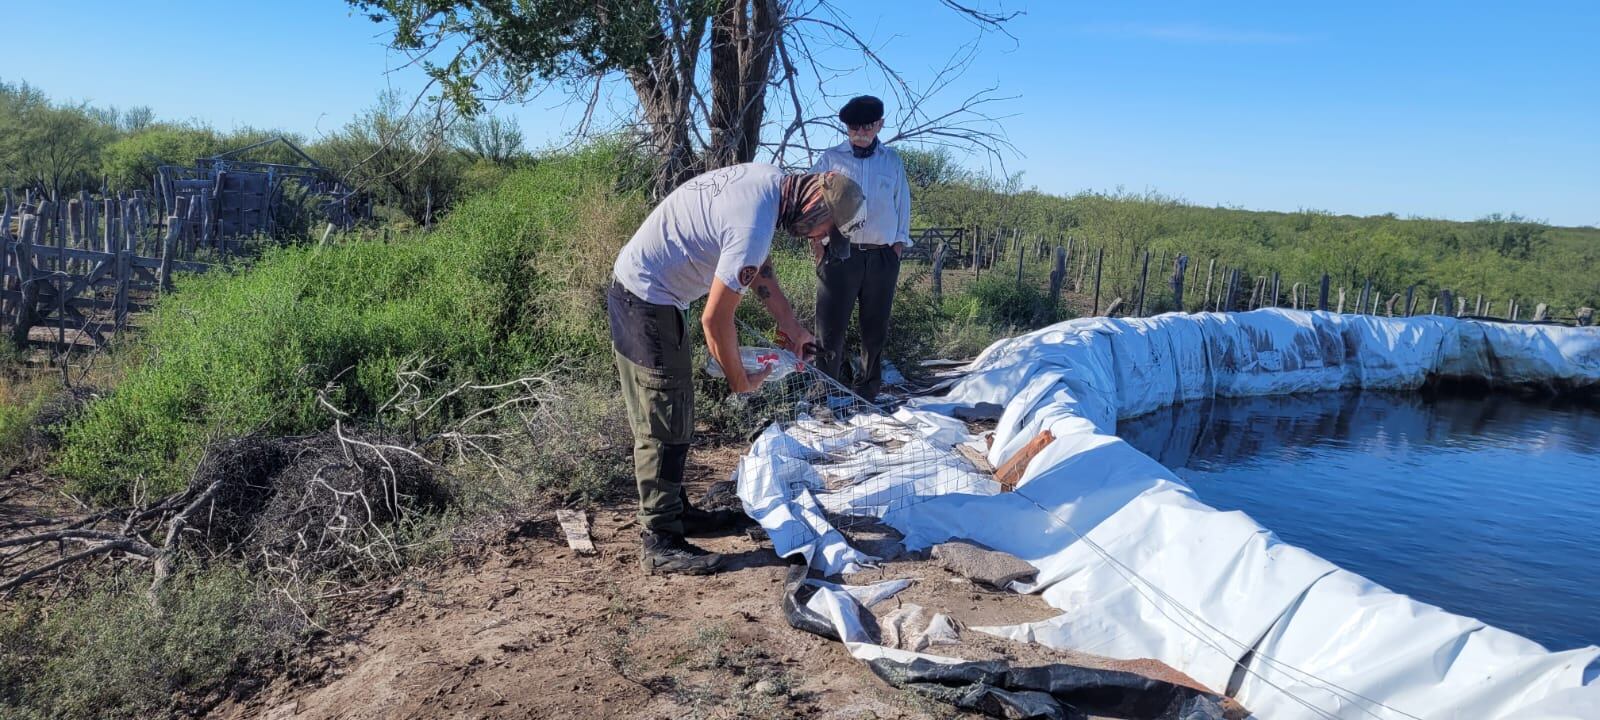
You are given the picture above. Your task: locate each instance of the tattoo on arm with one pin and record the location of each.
(766, 270)
(764, 291)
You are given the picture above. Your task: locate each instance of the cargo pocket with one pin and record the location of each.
(668, 404)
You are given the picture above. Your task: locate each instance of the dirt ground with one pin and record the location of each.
(535, 630)
(531, 629)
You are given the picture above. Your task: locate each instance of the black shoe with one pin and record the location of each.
(669, 554)
(697, 522)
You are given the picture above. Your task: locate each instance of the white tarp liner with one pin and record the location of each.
(1158, 574)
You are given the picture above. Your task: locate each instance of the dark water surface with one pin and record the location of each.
(1487, 507)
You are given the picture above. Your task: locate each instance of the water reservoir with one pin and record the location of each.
(1485, 506)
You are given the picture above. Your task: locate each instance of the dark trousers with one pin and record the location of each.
(655, 367)
(866, 280)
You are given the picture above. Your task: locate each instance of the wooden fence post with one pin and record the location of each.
(1058, 279)
(130, 226)
(1388, 305)
(203, 217)
(1477, 307)
(55, 232)
(28, 289)
(939, 254)
(1099, 264)
(176, 225)
(1364, 306)
(1410, 305)
(75, 222)
(1322, 294)
(1541, 312)
(1020, 255)
(1144, 281)
(124, 271)
(1211, 268)
(108, 216)
(1180, 264)
(1446, 301)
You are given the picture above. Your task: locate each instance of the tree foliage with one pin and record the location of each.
(701, 71)
(132, 161)
(412, 167)
(46, 147)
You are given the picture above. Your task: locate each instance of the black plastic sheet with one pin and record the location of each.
(1058, 691)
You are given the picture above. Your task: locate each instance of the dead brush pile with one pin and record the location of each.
(303, 510)
(316, 507)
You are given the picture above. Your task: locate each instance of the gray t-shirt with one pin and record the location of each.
(718, 225)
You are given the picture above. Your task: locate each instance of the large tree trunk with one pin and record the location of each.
(743, 38)
(744, 35)
(664, 86)
(666, 120)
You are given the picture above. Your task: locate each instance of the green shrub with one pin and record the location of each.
(31, 409)
(998, 301)
(16, 418)
(510, 283)
(113, 655)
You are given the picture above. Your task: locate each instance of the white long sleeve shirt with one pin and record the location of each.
(886, 211)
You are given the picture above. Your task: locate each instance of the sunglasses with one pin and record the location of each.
(863, 127)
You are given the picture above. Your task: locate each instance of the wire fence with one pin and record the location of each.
(1087, 277)
(853, 461)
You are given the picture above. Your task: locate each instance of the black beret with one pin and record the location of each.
(861, 110)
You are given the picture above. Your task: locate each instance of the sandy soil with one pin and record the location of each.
(530, 629)
(536, 630)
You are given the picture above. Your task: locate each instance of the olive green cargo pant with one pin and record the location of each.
(655, 367)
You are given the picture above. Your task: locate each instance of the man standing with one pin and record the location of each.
(711, 235)
(863, 269)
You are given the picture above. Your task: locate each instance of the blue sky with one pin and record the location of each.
(1449, 110)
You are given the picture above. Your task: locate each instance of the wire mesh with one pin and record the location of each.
(849, 460)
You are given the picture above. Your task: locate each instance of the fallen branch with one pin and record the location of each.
(128, 545)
